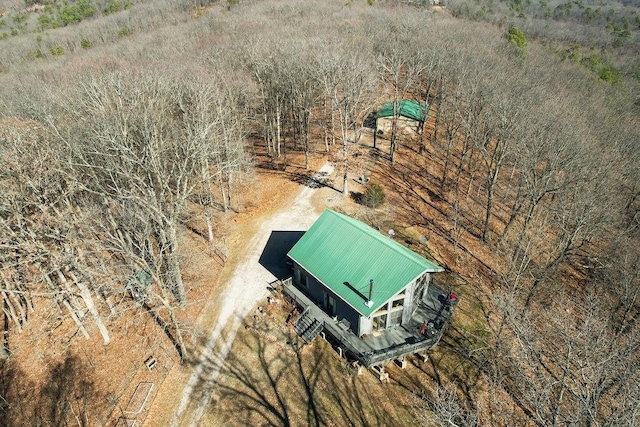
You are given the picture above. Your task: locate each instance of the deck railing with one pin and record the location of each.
(373, 357)
(287, 288)
(396, 352)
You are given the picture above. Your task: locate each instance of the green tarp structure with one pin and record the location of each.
(408, 108)
(144, 278)
(345, 254)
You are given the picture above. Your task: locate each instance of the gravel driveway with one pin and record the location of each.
(246, 288)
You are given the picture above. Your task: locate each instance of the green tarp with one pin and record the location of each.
(413, 110)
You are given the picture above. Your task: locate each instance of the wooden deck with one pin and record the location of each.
(392, 343)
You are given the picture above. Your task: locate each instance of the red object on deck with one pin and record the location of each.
(423, 328)
(452, 296)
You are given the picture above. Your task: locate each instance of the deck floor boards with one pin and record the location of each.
(389, 343)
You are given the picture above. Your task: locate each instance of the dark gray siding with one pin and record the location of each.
(315, 291)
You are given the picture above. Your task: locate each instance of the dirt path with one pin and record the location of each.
(246, 288)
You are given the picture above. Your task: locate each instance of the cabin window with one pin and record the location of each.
(379, 322)
(303, 281)
(420, 288)
(395, 318)
(297, 275)
(330, 304)
(381, 310)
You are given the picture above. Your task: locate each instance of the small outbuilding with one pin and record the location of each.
(408, 110)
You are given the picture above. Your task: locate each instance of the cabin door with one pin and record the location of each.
(420, 289)
(330, 304)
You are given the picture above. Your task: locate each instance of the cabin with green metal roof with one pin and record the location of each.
(359, 276)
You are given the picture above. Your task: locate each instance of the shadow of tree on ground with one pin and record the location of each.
(66, 397)
(270, 378)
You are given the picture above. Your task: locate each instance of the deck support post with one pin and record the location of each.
(379, 371)
(423, 357)
(355, 364)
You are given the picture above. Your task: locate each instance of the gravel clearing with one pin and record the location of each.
(246, 288)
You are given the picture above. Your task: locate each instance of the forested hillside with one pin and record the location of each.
(129, 130)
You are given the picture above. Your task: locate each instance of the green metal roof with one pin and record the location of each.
(407, 108)
(344, 254)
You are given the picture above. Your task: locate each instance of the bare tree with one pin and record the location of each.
(495, 146)
(43, 231)
(454, 98)
(401, 61)
(571, 364)
(214, 118)
(266, 72)
(349, 82)
(290, 87)
(304, 83)
(139, 146)
(132, 149)
(443, 408)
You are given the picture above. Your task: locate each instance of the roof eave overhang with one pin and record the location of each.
(377, 306)
(326, 286)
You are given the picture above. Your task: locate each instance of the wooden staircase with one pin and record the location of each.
(307, 326)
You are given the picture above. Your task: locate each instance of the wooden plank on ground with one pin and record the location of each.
(139, 398)
(126, 422)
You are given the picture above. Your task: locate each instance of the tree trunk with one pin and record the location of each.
(230, 189)
(208, 218)
(346, 167)
(88, 301)
(75, 318)
(333, 128)
(207, 199)
(5, 347)
(345, 158)
(223, 194)
(19, 302)
(178, 339)
(10, 312)
(278, 130)
(326, 126)
(71, 295)
(182, 349)
(489, 206)
(306, 124)
(174, 265)
(434, 135)
(447, 160)
(394, 131)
